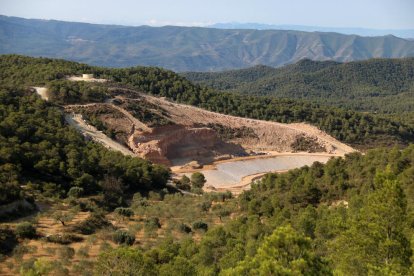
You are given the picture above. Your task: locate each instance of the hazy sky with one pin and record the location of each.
(378, 14)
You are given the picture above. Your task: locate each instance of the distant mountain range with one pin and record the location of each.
(187, 48)
(403, 33)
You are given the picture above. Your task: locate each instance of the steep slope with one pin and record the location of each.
(381, 85)
(187, 49)
(194, 134)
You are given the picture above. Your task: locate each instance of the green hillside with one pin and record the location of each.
(112, 215)
(358, 129)
(377, 85)
(187, 48)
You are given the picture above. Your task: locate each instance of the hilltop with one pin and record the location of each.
(375, 85)
(188, 48)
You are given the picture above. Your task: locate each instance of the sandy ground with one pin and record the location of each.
(244, 184)
(42, 92)
(273, 136)
(90, 131)
(79, 78)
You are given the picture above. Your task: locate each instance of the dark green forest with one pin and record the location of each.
(352, 216)
(358, 129)
(376, 85)
(38, 150)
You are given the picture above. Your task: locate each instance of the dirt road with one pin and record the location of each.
(96, 135)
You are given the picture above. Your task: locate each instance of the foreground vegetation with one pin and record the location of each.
(352, 216)
(358, 129)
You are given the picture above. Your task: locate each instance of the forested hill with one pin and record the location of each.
(185, 48)
(380, 85)
(358, 129)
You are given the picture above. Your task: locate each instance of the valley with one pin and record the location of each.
(226, 149)
(138, 171)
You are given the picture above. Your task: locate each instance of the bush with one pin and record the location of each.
(138, 201)
(153, 223)
(198, 191)
(205, 206)
(64, 238)
(123, 237)
(25, 230)
(7, 240)
(75, 192)
(66, 253)
(200, 225)
(184, 183)
(91, 224)
(125, 212)
(221, 196)
(198, 180)
(184, 228)
(155, 196)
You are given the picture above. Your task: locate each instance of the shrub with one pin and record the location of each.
(155, 196)
(75, 192)
(184, 183)
(125, 261)
(221, 196)
(65, 238)
(138, 201)
(125, 212)
(198, 180)
(184, 228)
(200, 225)
(123, 237)
(205, 206)
(25, 230)
(198, 191)
(91, 224)
(66, 253)
(7, 240)
(153, 223)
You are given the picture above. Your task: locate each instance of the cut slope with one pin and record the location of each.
(269, 136)
(194, 134)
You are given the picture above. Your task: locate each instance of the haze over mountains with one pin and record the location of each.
(187, 48)
(403, 33)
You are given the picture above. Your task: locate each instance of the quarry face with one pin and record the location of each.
(175, 134)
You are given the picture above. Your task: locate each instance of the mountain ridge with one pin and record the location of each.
(375, 85)
(402, 33)
(187, 48)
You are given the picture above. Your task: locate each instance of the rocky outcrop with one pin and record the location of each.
(178, 142)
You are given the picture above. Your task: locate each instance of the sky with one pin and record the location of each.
(374, 14)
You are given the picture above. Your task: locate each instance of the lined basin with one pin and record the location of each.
(231, 173)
